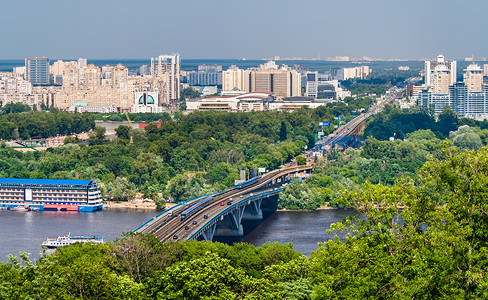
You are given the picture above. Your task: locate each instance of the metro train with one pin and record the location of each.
(248, 182)
(194, 208)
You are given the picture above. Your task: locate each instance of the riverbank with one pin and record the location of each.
(146, 205)
(322, 207)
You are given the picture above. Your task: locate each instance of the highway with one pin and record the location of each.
(349, 127)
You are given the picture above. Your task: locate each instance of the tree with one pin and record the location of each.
(283, 131)
(209, 277)
(15, 108)
(189, 93)
(178, 188)
(465, 138)
(122, 132)
(97, 136)
(301, 161)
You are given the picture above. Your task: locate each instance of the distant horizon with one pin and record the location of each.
(328, 59)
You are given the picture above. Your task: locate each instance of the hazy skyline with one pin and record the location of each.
(243, 29)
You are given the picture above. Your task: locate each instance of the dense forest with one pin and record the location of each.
(421, 238)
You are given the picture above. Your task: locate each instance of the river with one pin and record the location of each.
(25, 231)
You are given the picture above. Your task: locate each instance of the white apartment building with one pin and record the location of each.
(355, 72)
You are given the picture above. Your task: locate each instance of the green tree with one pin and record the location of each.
(301, 161)
(465, 138)
(283, 131)
(97, 137)
(178, 188)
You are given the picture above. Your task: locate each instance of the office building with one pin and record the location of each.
(37, 70)
(321, 86)
(166, 70)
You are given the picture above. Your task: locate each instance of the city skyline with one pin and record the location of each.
(256, 30)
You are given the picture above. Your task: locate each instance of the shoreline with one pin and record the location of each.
(322, 207)
(129, 205)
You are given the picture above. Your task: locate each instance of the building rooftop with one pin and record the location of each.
(44, 181)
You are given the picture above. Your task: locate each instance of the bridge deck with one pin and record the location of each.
(168, 226)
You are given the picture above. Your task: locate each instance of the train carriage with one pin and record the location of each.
(196, 207)
(248, 182)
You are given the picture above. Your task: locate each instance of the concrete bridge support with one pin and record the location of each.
(253, 211)
(230, 224)
(208, 234)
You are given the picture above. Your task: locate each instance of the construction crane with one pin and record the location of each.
(128, 119)
(130, 124)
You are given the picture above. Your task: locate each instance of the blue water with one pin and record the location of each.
(25, 231)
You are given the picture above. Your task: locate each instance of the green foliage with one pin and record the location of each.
(425, 239)
(465, 138)
(300, 196)
(189, 93)
(37, 124)
(15, 108)
(301, 161)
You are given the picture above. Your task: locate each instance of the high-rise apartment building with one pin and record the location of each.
(473, 78)
(485, 70)
(71, 76)
(82, 62)
(439, 75)
(204, 78)
(234, 79)
(210, 68)
(281, 82)
(356, 72)
(120, 75)
(166, 70)
(37, 70)
(57, 70)
(144, 70)
(91, 77)
(468, 98)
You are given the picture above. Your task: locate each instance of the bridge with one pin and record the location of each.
(350, 129)
(224, 215)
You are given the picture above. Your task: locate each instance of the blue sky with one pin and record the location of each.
(249, 28)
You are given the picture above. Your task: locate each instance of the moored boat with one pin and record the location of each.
(62, 241)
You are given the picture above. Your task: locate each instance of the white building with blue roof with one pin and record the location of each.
(50, 194)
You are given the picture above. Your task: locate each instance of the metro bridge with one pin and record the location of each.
(224, 215)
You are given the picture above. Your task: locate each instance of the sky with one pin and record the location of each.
(252, 29)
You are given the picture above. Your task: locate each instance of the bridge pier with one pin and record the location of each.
(252, 210)
(208, 234)
(230, 224)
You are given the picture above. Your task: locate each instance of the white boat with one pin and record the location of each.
(62, 241)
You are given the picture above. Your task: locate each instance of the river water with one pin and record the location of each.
(25, 231)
